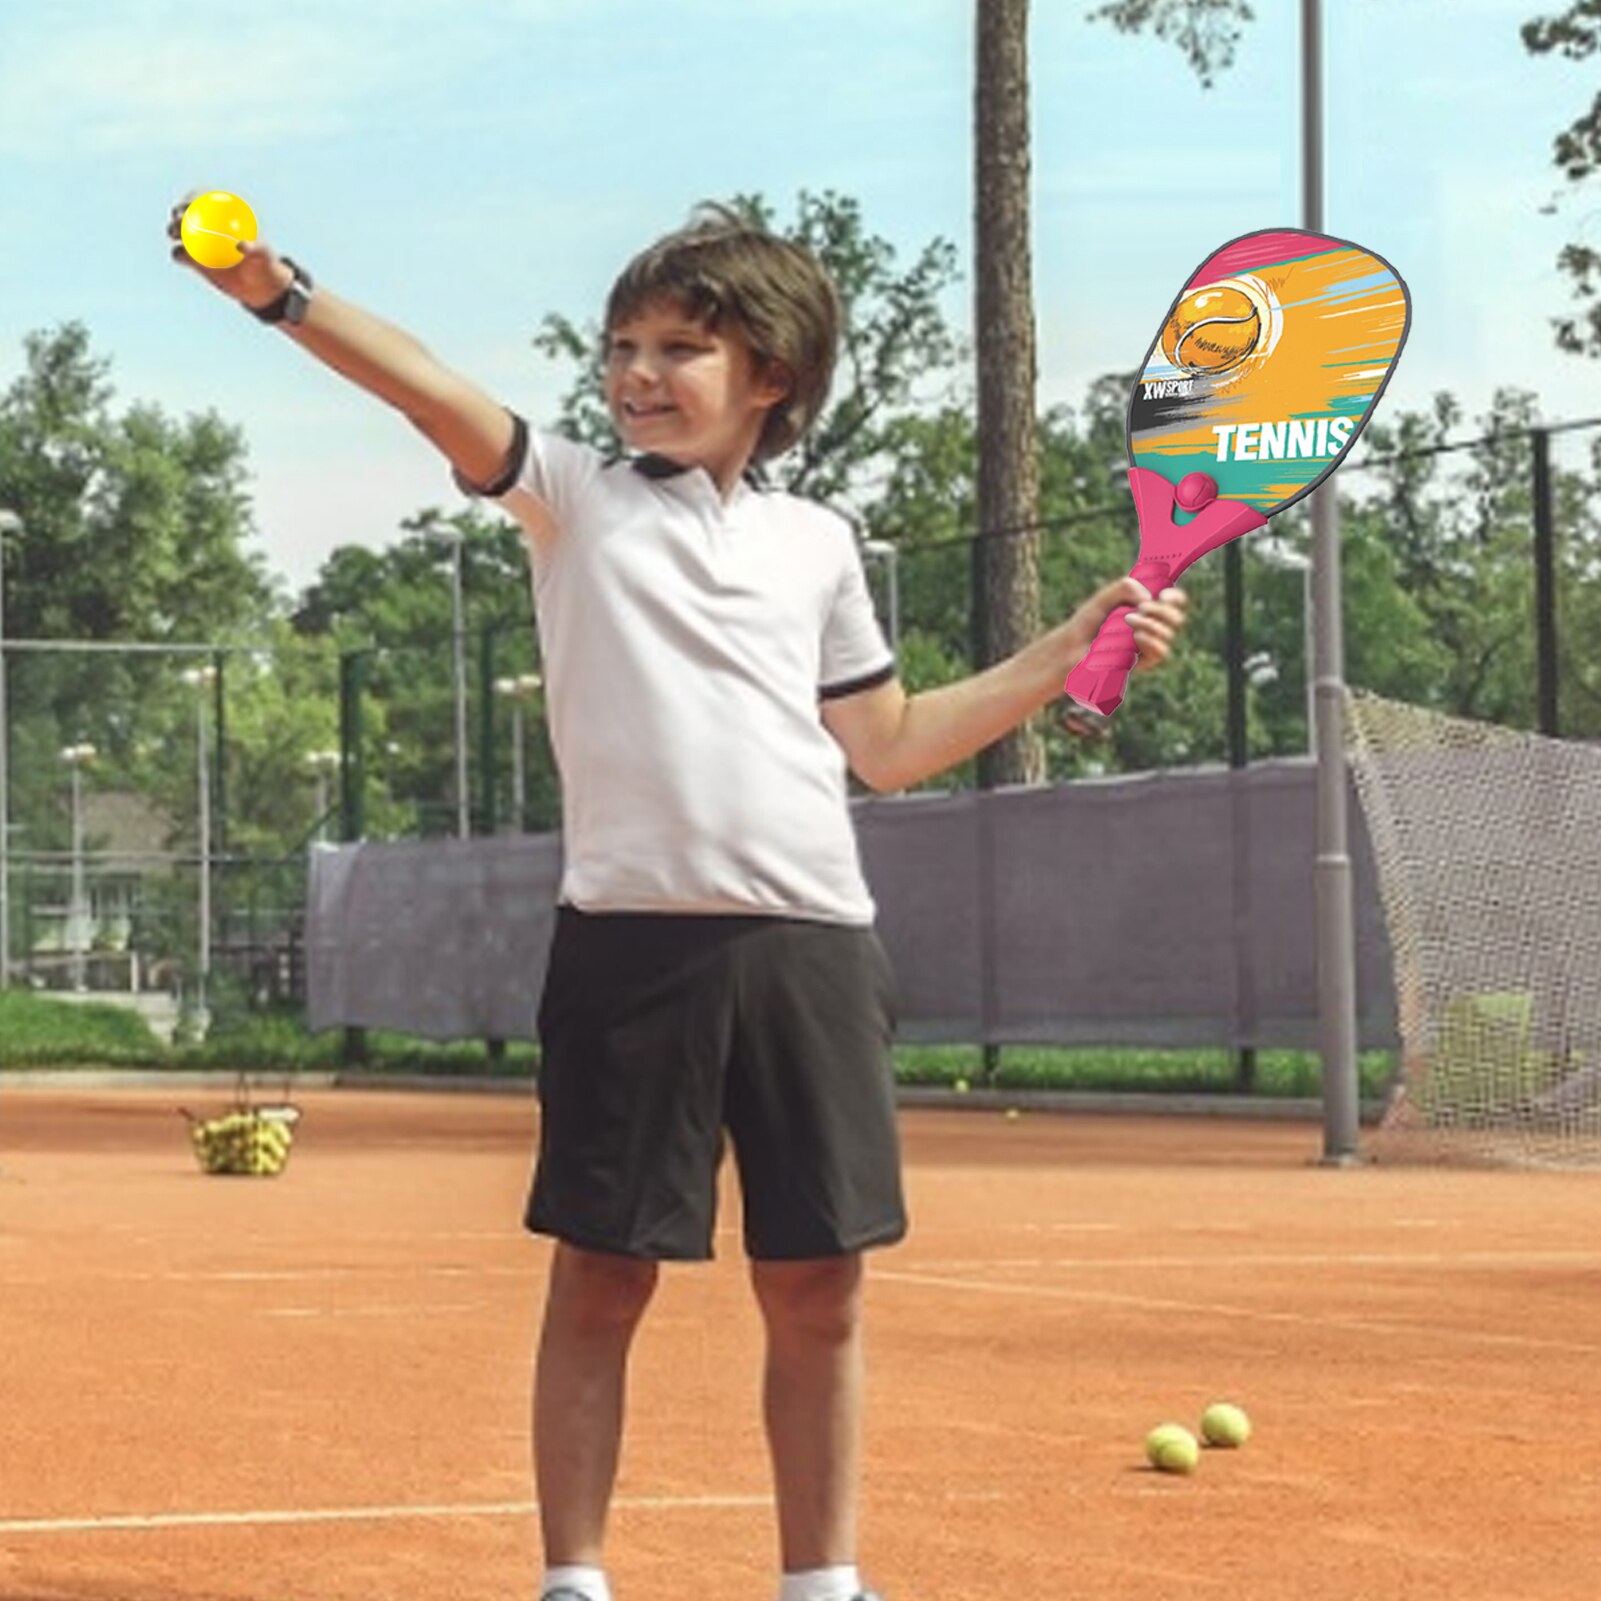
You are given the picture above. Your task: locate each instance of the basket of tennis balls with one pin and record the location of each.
(250, 1140)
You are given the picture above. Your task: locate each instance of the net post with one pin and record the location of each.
(352, 768)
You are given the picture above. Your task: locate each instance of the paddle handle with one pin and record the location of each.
(1099, 681)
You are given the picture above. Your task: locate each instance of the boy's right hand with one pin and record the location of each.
(259, 278)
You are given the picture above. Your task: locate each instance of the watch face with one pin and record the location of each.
(299, 299)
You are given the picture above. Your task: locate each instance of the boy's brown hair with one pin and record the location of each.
(728, 272)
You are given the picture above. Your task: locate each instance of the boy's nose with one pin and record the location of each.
(641, 368)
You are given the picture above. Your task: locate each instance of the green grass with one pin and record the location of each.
(37, 1031)
(1128, 1070)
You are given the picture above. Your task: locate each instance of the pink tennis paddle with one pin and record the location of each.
(1262, 375)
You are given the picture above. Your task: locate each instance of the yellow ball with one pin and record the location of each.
(1225, 1425)
(961, 1086)
(1171, 1448)
(1211, 330)
(212, 226)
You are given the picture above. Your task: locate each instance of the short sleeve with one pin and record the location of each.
(854, 655)
(540, 482)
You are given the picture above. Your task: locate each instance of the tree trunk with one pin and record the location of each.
(1006, 583)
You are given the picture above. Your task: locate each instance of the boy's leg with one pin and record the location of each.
(813, 1388)
(593, 1305)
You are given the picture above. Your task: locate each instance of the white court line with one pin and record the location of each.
(1149, 1303)
(370, 1514)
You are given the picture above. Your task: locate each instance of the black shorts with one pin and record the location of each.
(660, 1033)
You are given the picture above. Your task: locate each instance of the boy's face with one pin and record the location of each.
(679, 389)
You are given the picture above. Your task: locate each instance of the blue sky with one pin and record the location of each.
(463, 166)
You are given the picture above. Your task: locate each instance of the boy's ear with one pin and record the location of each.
(775, 382)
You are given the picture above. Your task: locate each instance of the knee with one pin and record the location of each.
(820, 1301)
(593, 1292)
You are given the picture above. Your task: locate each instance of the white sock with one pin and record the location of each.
(820, 1584)
(588, 1582)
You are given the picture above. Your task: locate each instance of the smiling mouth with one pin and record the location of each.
(636, 412)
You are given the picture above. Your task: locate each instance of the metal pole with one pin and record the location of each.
(1336, 935)
(10, 523)
(459, 676)
(78, 918)
(1308, 653)
(519, 778)
(205, 854)
(1545, 589)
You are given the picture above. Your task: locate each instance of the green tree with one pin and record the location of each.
(1206, 31)
(1575, 33)
(396, 606)
(134, 530)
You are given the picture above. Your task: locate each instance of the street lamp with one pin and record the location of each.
(889, 556)
(77, 757)
(323, 764)
(200, 679)
(10, 523)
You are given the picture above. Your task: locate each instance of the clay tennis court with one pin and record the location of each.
(314, 1388)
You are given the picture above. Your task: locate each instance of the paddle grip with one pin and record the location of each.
(1100, 679)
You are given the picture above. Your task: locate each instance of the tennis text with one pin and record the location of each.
(1282, 441)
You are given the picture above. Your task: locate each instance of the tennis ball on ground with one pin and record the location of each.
(1171, 1448)
(1012, 1114)
(1226, 1425)
(213, 226)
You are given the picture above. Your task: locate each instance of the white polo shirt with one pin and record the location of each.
(688, 643)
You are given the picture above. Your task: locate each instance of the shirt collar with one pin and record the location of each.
(657, 468)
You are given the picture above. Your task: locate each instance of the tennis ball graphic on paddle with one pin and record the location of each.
(1212, 329)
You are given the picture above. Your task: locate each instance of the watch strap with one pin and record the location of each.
(291, 303)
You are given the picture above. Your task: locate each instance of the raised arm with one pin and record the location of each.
(473, 430)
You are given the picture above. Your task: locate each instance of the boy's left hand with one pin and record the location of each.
(1155, 621)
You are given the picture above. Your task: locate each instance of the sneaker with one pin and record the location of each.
(564, 1593)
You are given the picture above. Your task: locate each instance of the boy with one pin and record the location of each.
(712, 665)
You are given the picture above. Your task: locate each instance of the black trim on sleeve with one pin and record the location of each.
(510, 471)
(855, 686)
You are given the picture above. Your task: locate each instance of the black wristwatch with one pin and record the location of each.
(291, 305)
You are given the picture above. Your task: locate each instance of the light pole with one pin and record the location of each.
(323, 763)
(77, 757)
(889, 556)
(517, 690)
(1332, 870)
(10, 523)
(458, 673)
(200, 679)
